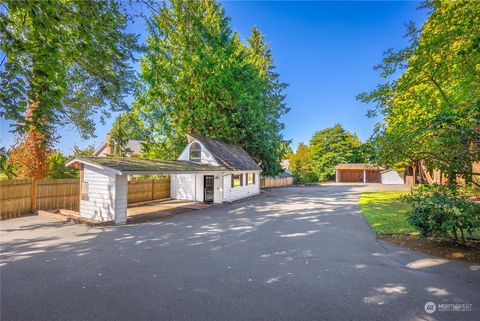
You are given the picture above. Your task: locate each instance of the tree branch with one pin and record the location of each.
(438, 86)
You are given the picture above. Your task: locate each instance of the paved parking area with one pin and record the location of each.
(154, 209)
(291, 254)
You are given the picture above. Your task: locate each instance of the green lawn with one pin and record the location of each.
(385, 212)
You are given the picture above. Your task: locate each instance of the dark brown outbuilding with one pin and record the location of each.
(358, 173)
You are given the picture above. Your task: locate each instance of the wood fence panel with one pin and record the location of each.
(267, 182)
(15, 197)
(58, 193)
(161, 189)
(139, 191)
(148, 190)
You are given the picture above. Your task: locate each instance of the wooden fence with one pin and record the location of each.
(23, 196)
(148, 190)
(266, 182)
(15, 197)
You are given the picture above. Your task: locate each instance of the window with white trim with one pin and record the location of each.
(195, 152)
(84, 191)
(237, 180)
(250, 178)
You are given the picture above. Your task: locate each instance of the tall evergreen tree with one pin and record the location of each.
(197, 76)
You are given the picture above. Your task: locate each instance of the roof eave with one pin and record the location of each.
(74, 161)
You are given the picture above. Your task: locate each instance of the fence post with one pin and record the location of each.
(153, 187)
(33, 195)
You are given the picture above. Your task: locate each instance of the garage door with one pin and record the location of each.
(350, 175)
(374, 177)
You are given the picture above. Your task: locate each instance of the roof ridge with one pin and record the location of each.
(232, 155)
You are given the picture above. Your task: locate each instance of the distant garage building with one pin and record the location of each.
(366, 173)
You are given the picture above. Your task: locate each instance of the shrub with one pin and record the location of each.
(439, 211)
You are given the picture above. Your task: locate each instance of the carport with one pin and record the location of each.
(104, 182)
(358, 173)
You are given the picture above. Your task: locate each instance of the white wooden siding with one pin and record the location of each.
(100, 205)
(206, 157)
(182, 186)
(219, 187)
(190, 187)
(121, 198)
(235, 193)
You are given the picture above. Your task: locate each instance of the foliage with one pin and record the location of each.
(432, 111)
(30, 155)
(126, 126)
(7, 170)
(385, 212)
(197, 76)
(64, 62)
(57, 168)
(301, 165)
(439, 211)
(365, 153)
(332, 146)
(87, 151)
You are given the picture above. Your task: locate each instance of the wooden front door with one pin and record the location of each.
(208, 183)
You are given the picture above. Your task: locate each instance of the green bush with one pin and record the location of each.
(439, 211)
(305, 176)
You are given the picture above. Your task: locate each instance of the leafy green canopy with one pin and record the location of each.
(329, 147)
(57, 168)
(126, 126)
(301, 164)
(432, 111)
(332, 146)
(7, 170)
(68, 58)
(197, 76)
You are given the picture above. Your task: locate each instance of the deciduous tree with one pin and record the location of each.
(432, 110)
(301, 164)
(332, 146)
(63, 63)
(57, 168)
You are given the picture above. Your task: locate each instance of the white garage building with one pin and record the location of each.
(208, 170)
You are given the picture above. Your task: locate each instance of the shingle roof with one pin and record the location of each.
(138, 165)
(231, 156)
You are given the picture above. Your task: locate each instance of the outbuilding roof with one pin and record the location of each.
(359, 166)
(231, 156)
(138, 165)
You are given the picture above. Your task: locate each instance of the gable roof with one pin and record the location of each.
(231, 156)
(134, 145)
(138, 165)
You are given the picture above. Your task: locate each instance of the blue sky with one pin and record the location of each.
(325, 51)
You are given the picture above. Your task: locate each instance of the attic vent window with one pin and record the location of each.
(195, 152)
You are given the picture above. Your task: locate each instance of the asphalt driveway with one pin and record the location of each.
(291, 254)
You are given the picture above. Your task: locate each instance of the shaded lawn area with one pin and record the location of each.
(386, 212)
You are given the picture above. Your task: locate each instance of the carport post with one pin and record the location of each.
(364, 175)
(121, 199)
